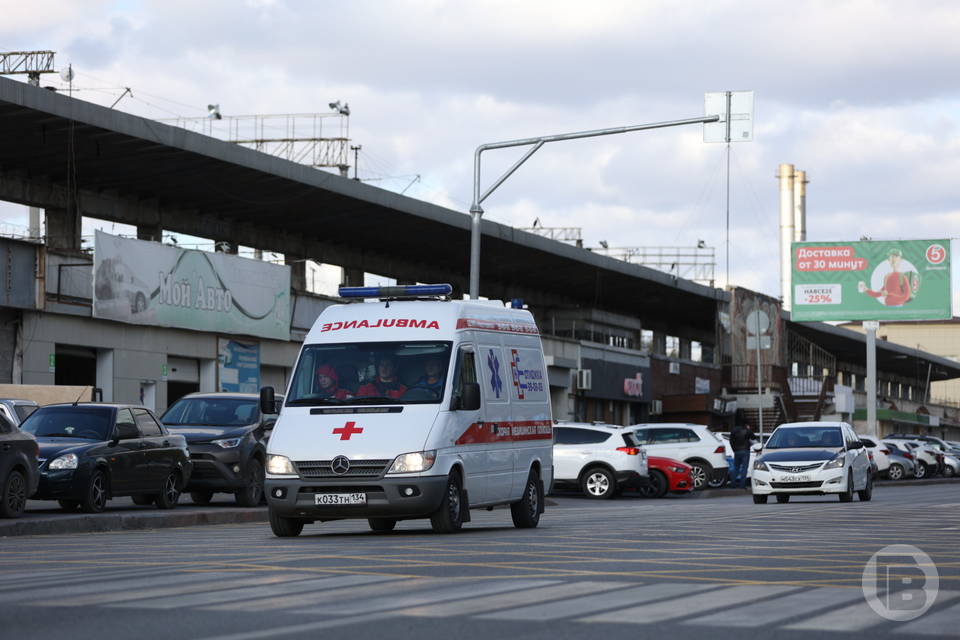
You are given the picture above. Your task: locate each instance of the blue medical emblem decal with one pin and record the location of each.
(496, 383)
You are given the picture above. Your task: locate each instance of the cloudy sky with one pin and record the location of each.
(860, 94)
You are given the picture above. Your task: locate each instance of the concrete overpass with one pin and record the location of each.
(74, 158)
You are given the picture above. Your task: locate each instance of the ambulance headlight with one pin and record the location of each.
(280, 466)
(413, 462)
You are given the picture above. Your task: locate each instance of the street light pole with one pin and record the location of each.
(476, 211)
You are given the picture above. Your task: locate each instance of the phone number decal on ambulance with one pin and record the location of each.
(506, 326)
(480, 433)
(381, 323)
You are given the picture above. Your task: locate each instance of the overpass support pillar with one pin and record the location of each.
(298, 272)
(152, 232)
(63, 229)
(659, 345)
(352, 277)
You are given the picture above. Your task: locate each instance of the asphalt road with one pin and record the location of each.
(674, 568)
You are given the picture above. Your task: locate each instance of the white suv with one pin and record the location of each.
(694, 444)
(597, 459)
(812, 458)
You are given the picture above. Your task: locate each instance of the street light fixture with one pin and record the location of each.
(476, 211)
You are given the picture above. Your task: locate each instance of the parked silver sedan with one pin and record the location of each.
(901, 467)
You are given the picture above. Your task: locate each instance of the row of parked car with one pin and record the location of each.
(83, 454)
(602, 460)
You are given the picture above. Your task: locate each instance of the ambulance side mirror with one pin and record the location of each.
(470, 397)
(268, 401)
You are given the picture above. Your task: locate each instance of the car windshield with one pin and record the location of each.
(806, 437)
(370, 373)
(90, 423)
(24, 410)
(212, 412)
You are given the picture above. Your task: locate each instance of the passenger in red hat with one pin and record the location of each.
(328, 384)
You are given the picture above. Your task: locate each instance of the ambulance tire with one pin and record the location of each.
(382, 524)
(448, 518)
(526, 513)
(284, 527)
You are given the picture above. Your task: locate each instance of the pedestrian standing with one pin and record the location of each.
(741, 439)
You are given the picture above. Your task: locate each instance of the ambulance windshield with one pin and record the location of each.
(371, 373)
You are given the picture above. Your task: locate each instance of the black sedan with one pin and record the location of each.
(92, 452)
(18, 469)
(227, 435)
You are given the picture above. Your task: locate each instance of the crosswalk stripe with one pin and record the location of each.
(942, 622)
(402, 600)
(34, 581)
(57, 593)
(678, 607)
(771, 611)
(276, 586)
(293, 601)
(590, 603)
(854, 617)
(177, 589)
(274, 632)
(512, 599)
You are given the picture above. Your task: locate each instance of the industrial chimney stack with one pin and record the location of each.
(793, 222)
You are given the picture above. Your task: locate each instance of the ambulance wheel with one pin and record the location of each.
(526, 513)
(285, 527)
(449, 517)
(382, 524)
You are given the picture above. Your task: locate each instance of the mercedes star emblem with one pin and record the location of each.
(340, 465)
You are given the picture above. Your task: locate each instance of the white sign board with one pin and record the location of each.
(741, 116)
(149, 283)
(754, 401)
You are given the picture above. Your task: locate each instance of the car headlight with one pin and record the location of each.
(677, 469)
(68, 461)
(228, 443)
(280, 466)
(836, 463)
(760, 465)
(413, 462)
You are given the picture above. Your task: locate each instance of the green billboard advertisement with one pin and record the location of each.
(871, 280)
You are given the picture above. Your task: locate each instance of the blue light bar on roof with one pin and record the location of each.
(402, 291)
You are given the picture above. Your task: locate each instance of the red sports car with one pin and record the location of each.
(667, 474)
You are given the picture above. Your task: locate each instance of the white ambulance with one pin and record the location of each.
(412, 406)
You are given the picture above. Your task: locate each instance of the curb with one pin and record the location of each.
(91, 523)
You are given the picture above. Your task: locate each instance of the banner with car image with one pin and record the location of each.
(149, 283)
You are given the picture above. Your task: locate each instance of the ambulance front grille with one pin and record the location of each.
(358, 469)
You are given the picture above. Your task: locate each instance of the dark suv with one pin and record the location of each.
(227, 436)
(18, 468)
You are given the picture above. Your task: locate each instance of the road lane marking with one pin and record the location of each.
(854, 617)
(940, 622)
(57, 594)
(591, 603)
(679, 607)
(402, 600)
(300, 600)
(160, 592)
(489, 603)
(283, 585)
(778, 609)
(274, 632)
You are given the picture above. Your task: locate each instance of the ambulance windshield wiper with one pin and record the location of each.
(315, 401)
(374, 400)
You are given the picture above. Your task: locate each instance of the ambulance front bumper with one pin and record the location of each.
(404, 497)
